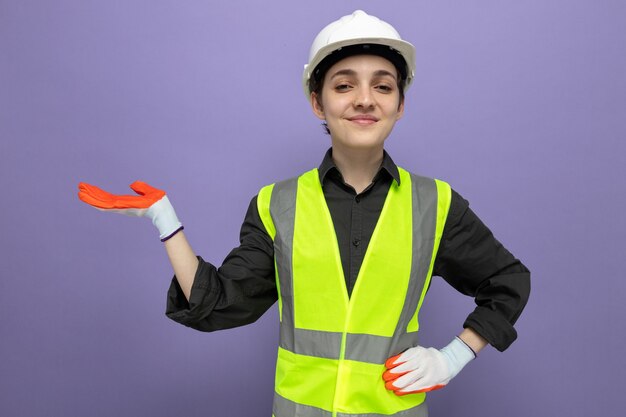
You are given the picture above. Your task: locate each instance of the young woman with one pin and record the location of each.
(347, 249)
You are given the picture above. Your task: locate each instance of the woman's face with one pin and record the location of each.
(360, 102)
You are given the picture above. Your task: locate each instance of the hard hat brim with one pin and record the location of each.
(403, 48)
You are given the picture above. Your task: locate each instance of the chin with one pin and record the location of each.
(358, 140)
(365, 140)
(360, 144)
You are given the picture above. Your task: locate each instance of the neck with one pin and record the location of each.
(358, 166)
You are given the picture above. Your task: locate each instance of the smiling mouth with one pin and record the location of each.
(363, 120)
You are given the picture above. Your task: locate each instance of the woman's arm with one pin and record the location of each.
(183, 260)
(202, 296)
(474, 262)
(472, 339)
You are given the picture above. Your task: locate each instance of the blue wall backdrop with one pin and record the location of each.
(521, 106)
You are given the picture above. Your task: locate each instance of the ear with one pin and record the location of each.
(318, 110)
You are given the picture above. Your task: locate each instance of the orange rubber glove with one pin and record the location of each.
(150, 202)
(421, 369)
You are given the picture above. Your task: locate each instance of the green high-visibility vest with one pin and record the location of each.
(333, 347)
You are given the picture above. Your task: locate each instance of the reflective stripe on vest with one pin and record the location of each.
(333, 347)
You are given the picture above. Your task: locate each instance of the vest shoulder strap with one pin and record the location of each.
(276, 198)
(263, 205)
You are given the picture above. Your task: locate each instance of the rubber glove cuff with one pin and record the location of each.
(164, 218)
(458, 354)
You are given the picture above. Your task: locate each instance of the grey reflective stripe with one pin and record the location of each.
(359, 347)
(367, 348)
(375, 349)
(424, 201)
(283, 212)
(287, 408)
(315, 343)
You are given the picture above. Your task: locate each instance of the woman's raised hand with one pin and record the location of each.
(149, 202)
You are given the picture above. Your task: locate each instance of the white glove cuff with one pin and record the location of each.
(164, 218)
(458, 354)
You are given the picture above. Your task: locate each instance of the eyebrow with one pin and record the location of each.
(349, 72)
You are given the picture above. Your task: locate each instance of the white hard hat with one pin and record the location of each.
(359, 28)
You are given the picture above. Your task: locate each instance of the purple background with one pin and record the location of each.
(521, 106)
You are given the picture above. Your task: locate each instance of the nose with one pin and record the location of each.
(363, 98)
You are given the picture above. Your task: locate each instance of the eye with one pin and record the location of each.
(385, 88)
(342, 87)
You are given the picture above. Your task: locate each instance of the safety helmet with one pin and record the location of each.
(360, 30)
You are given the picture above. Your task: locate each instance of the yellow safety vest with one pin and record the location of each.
(333, 347)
